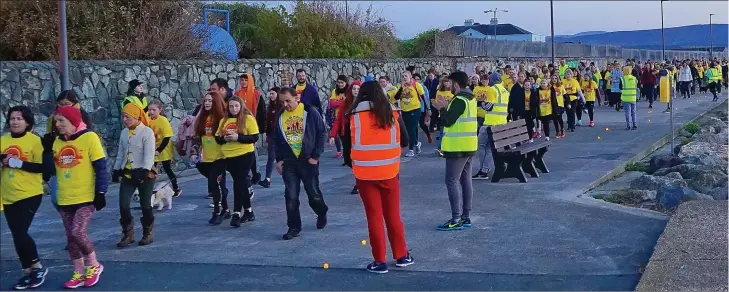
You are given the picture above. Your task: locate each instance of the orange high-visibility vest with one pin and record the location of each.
(375, 151)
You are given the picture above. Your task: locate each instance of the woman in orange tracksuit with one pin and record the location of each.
(375, 127)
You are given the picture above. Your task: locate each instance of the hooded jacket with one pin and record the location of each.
(312, 144)
(254, 102)
(310, 96)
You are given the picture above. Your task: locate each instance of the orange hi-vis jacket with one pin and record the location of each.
(375, 151)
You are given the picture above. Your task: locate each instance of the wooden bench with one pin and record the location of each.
(513, 154)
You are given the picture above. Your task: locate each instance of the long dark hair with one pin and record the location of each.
(276, 105)
(338, 90)
(379, 104)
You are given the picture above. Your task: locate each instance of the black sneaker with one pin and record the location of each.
(266, 183)
(35, 279)
(321, 221)
(451, 225)
(466, 222)
(247, 216)
(377, 268)
(225, 214)
(256, 178)
(210, 196)
(354, 191)
(634, 127)
(480, 175)
(235, 222)
(405, 261)
(216, 219)
(291, 234)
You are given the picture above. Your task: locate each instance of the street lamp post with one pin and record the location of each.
(670, 93)
(711, 37)
(551, 20)
(63, 46)
(494, 12)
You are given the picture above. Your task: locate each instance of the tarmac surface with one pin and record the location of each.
(540, 235)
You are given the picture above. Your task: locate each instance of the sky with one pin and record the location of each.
(571, 17)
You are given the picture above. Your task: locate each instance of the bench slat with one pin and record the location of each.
(525, 148)
(509, 141)
(509, 133)
(509, 125)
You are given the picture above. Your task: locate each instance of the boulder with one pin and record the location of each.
(657, 183)
(706, 181)
(719, 193)
(711, 161)
(674, 175)
(671, 198)
(643, 195)
(663, 161)
(697, 148)
(715, 123)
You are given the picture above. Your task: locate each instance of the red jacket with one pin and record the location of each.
(340, 122)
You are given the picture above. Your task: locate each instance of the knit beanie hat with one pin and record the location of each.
(495, 78)
(71, 113)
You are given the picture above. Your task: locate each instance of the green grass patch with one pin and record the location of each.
(636, 166)
(691, 128)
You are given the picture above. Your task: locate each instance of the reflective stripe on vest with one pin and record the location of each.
(461, 136)
(714, 75)
(373, 158)
(630, 88)
(498, 114)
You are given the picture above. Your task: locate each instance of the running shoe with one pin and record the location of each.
(592, 123)
(93, 274)
(418, 148)
(405, 261)
(177, 193)
(247, 216)
(266, 183)
(481, 175)
(35, 279)
(377, 268)
(450, 225)
(77, 280)
(338, 155)
(410, 153)
(466, 222)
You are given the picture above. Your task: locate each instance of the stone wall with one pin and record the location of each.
(101, 85)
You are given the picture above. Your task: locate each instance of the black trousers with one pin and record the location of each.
(215, 174)
(296, 172)
(167, 166)
(239, 166)
(19, 216)
(590, 105)
(527, 116)
(545, 123)
(434, 118)
(423, 126)
(559, 120)
(347, 149)
(648, 91)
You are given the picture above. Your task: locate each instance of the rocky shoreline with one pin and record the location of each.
(696, 171)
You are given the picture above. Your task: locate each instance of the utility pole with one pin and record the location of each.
(551, 20)
(711, 37)
(63, 46)
(494, 20)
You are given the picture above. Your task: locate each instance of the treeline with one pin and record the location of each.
(148, 29)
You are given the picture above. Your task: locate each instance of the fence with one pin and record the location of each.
(447, 45)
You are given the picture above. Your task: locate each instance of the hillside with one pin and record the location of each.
(692, 36)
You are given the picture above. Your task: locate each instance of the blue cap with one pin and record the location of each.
(369, 78)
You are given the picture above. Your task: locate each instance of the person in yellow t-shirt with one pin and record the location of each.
(21, 190)
(164, 153)
(547, 108)
(237, 135)
(589, 89)
(559, 91)
(335, 101)
(444, 93)
(83, 178)
(480, 93)
(411, 94)
(573, 94)
(211, 163)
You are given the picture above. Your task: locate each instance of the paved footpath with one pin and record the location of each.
(535, 236)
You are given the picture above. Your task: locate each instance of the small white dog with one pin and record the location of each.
(162, 196)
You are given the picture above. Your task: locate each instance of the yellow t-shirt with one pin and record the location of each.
(211, 150)
(300, 88)
(481, 94)
(607, 79)
(560, 95)
(235, 148)
(410, 97)
(701, 71)
(162, 129)
(571, 86)
(338, 97)
(588, 89)
(293, 124)
(527, 99)
(76, 175)
(445, 94)
(16, 184)
(545, 102)
(507, 83)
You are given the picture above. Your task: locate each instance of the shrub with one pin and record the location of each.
(636, 166)
(692, 128)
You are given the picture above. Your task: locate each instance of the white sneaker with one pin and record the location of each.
(417, 148)
(410, 153)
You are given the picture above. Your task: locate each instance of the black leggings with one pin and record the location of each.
(570, 111)
(545, 123)
(167, 166)
(559, 120)
(590, 105)
(423, 126)
(19, 215)
(239, 166)
(527, 116)
(215, 174)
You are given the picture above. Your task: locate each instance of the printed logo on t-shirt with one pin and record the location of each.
(231, 128)
(208, 128)
(68, 157)
(16, 151)
(294, 126)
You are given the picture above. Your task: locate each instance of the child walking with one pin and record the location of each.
(162, 139)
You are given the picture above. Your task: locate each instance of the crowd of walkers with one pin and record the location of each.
(368, 121)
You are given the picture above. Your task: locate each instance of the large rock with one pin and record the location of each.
(643, 195)
(663, 161)
(715, 123)
(657, 183)
(698, 148)
(671, 198)
(719, 193)
(706, 181)
(709, 160)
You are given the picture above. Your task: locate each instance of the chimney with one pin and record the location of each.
(468, 22)
(494, 21)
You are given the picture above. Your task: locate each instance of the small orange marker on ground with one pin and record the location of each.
(598, 138)
(364, 242)
(326, 265)
(607, 129)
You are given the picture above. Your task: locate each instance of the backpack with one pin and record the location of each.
(187, 142)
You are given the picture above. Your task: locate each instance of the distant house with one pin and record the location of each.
(494, 30)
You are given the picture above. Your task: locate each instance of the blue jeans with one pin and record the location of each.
(629, 108)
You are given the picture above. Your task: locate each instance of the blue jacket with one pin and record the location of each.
(315, 135)
(310, 96)
(432, 87)
(425, 106)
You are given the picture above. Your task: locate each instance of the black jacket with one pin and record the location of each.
(314, 136)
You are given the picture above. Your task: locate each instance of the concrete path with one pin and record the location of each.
(691, 255)
(536, 236)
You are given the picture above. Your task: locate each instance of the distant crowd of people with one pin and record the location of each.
(369, 121)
